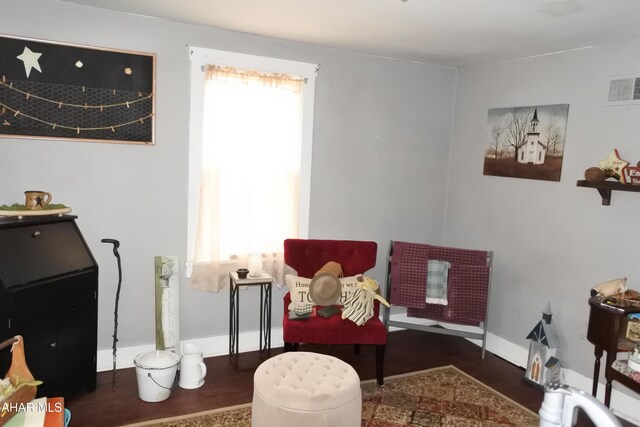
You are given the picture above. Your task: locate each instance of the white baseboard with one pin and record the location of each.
(210, 346)
(623, 405)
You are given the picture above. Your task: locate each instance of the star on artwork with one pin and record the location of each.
(30, 60)
(614, 166)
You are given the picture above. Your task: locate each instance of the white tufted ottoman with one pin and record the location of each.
(307, 390)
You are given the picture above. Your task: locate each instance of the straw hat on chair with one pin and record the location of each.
(325, 287)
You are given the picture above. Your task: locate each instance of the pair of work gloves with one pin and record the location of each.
(359, 307)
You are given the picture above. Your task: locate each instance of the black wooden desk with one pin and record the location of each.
(49, 295)
(606, 333)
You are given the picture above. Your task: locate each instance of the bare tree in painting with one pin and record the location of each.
(496, 131)
(553, 135)
(517, 128)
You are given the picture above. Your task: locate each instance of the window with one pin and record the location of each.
(249, 161)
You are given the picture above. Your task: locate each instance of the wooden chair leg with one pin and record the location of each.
(291, 346)
(380, 348)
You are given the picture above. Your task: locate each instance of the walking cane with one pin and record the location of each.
(116, 244)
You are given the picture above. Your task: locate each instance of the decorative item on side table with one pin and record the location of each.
(542, 365)
(255, 265)
(634, 358)
(633, 328)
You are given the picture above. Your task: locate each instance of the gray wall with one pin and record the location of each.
(380, 158)
(382, 142)
(553, 241)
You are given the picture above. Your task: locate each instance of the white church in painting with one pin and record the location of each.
(533, 150)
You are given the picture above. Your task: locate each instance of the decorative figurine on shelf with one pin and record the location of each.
(611, 167)
(632, 174)
(542, 365)
(594, 174)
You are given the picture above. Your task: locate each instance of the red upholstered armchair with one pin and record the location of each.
(355, 257)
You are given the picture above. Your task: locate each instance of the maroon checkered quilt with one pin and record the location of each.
(467, 287)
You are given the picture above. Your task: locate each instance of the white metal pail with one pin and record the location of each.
(155, 372)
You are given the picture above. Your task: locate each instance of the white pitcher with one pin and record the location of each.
(192, 367)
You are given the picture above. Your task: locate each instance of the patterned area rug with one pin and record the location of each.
(443, 396)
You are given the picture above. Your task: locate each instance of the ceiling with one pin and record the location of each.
(454, 33)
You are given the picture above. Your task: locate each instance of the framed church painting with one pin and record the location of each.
(526, 142)
(72, 92)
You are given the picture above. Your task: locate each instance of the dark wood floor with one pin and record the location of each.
(407, 351)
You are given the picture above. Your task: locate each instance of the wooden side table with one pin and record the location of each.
(606, 334)
(625, 375)
(264, 281)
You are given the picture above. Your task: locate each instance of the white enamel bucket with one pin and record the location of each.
(155, 372)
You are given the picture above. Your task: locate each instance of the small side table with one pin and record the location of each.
(605, 332)
(264, 281)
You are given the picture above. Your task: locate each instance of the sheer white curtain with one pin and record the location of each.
(250, 173)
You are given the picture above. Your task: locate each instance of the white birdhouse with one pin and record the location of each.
(542, 365)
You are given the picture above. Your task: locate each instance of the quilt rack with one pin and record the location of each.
(469, 283)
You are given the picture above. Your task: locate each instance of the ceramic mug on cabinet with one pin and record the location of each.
(36, 199)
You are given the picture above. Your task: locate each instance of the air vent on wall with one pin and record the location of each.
(624, 89)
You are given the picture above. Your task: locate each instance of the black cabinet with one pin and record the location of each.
(49, 295)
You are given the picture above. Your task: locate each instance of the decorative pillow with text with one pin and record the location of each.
(299, 289)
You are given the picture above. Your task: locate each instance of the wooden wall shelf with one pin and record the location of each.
(605, 188)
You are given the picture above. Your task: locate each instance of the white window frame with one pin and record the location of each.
(200, 57)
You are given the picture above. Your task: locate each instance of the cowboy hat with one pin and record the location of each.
(325, 289)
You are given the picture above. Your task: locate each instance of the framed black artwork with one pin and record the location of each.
(72, 92)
